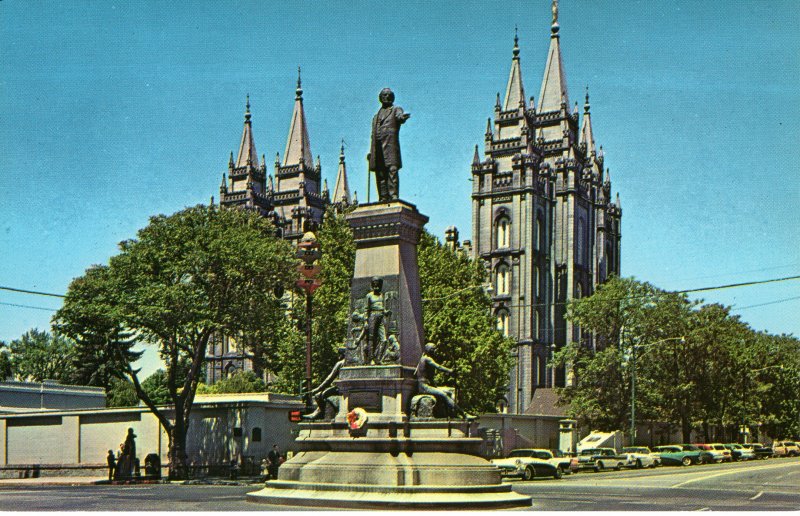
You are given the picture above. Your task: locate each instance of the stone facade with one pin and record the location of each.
(543, 222)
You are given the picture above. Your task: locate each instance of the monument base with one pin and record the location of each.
(411, 465)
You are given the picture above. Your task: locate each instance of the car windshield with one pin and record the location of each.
(667, 449)
(590, 451)
(522, 453)
(690, 447)
(635, 450)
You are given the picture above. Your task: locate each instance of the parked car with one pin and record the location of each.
(562, 457)
(739, 452)
(706, 457)
(718, 450)
(639, 457)
(761, 451)
(676, 455)
(785, 449)
(525, 464)
(600, 458)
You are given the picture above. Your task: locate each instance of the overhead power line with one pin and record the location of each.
(35, 292)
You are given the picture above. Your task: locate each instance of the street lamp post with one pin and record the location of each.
(308, 251)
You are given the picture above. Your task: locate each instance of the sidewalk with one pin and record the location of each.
(50, 481)
(85, 481)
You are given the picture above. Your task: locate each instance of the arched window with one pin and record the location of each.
(503, 232)
(540, 233)
(230, 369)
(581, 242)
(256, 435)
(578, 291)
(503, 279)
(502, 321)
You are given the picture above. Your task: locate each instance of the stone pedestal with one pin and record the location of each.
(391, 461)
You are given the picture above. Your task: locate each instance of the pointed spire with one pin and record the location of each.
(230, 162)
(554, 82)
(515, 92)
(587, 137)
(325, 192)
(247, 148)
(619, 205)
(298, 145)
(476, 159)
(355, 197)
(263, 161)
(497, 106)
(341, 190)
(270, 184)
(223, 186)
(489, 133)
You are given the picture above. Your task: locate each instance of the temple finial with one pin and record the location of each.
(555, 13)
(516, 42)
(299, 89)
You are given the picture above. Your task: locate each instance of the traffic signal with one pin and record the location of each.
(295, 416)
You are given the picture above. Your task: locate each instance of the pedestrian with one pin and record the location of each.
(112, 463)
(234, 469)
(274, 457)
(264, 469)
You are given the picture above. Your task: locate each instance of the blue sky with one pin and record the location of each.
(111, 112)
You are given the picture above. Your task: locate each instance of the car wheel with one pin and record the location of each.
(618, 466)
(529, 473)
(686, 461)
(559, 473)
(638, 463)
(598, 466)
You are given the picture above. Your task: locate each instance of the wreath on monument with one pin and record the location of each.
(356, 418)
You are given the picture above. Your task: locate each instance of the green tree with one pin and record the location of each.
(39, 355)
(104, 349)
(6, 371)
(121, 393)
(240, 381)
(187, 276)
(457, 317)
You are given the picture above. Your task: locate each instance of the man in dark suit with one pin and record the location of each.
(384, 156)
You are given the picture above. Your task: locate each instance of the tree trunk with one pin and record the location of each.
(178, 468)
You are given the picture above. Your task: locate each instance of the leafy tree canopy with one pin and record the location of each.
(39, 355)
(240, 381)
(199, 272)
(457, 318)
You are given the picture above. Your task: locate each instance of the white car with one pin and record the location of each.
(640, 457)
(526, 464)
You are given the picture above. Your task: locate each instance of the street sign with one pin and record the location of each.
(309, 271)
(309, 285)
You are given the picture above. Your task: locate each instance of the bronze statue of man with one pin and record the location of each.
(424, 371)
(326, 389)
(384, 155)
(376, 313)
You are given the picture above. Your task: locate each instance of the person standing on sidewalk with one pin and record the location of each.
(112, 464)
(274, 457)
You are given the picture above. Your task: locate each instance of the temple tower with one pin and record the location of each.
(298, 201)
(542, 222)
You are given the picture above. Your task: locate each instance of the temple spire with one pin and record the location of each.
(341, 190)
(476, 159)
(554, 82)
(298, 145)
(587, 136)
(247, 148)
(515, 92)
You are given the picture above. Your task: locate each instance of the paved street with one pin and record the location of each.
(764, 485)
